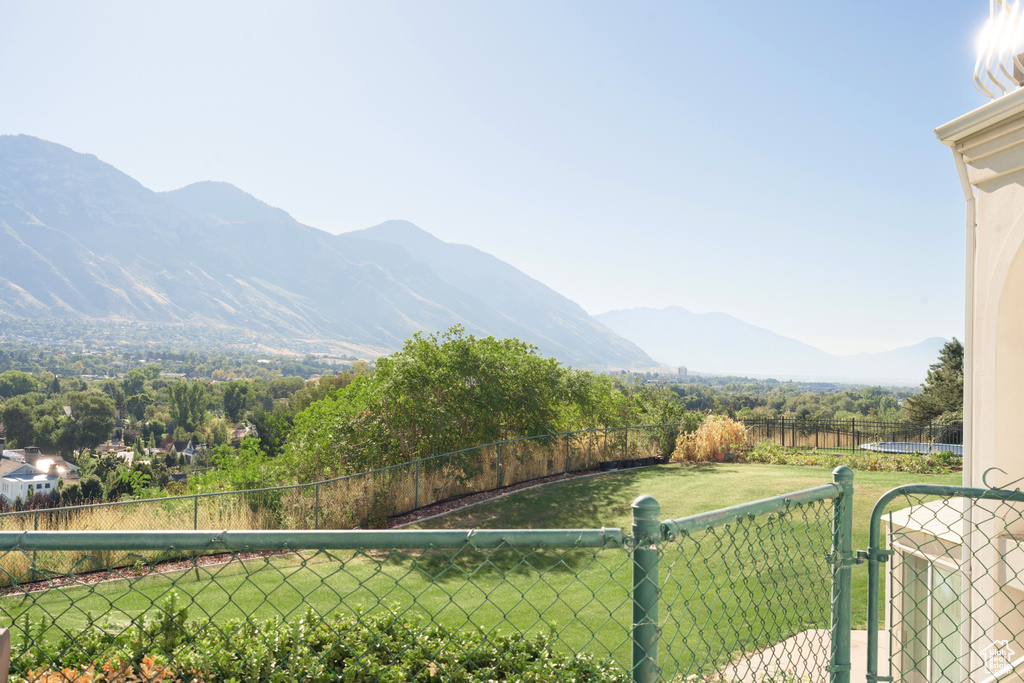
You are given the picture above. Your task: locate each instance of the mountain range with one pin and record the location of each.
(80, 240)
(717, 343)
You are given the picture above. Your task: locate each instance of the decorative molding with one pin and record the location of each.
(981, 119)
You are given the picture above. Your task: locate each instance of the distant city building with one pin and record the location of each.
(682, 371)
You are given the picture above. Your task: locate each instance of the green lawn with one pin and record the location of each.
(581, 593)
(605, 500)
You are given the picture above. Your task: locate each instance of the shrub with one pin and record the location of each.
(716, 435)
(770, 453)
(382, 646)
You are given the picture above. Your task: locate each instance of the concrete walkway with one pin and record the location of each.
(805, 657)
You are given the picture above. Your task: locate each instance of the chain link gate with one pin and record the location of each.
(954, 587)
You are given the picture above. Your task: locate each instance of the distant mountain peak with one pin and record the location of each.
(224, 203)
(400, 232)
(723, 344)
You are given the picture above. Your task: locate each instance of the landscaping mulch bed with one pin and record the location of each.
(117, 573)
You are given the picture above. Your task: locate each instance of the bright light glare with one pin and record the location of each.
(998, 43)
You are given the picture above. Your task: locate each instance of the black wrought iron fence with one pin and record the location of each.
(855, 434)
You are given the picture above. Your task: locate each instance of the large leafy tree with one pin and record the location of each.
(18, 416)
(188, 403)
(438, 394)
(33, 421)
(236, 400)
(942, 394)
(15, 383)
(93, 415)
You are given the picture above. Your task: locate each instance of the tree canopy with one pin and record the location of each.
(942, 394)
(442, 393)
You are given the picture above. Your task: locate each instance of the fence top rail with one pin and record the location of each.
(944, 491)
(845, 421)
(671, 528)
(309, 540)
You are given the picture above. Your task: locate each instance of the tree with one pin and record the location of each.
(236, 400)
(150, 372)
(16, 383)
(93, 414)
(438, 394)
(136, 405)
(18, 416)
(133, 383)
(942, 394)
(272, 431)
(187, 404)
(238, 470)
(92, 489)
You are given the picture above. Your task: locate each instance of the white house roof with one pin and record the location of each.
(10, 469)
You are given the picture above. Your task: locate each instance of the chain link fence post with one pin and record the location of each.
(568, 439)
(497, 484)
(842, 584)
(35, 575)
(646, 534)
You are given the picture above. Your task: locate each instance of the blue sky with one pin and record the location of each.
(774, 161)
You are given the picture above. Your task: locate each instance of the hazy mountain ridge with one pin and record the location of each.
(718, 343)
(80, 239)
(512, 296)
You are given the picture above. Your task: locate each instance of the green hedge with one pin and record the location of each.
(381, 648)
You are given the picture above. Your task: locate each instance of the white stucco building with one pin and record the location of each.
(956, 588)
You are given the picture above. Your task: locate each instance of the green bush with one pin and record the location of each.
(949, 459)
(380, 647)
(770, 453)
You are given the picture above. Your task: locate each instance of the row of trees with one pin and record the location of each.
(34, 419)
(440, 393)
(771, 398)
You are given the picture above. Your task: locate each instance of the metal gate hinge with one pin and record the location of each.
(837, 560)
(876, 555)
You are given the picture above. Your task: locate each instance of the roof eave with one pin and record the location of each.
(981, 118)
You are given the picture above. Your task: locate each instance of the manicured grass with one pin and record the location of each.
(605, 500)
(580, 593)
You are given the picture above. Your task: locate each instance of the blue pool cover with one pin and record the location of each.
(910, 447)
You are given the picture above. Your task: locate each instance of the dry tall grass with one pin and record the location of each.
(716, 436)
(365, 500)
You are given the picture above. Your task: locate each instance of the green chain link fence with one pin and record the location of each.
(748, 593)
(953, 591)
(368, 498)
